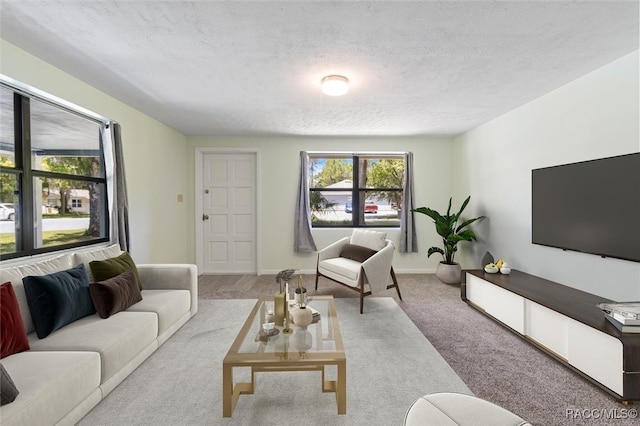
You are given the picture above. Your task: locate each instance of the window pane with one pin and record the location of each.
(63, 142)
(9, 213)
(336, 173)
(7, 139)
(380, 211)
(68, 212)
(384, 172)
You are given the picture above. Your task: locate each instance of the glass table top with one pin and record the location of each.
(320, 338)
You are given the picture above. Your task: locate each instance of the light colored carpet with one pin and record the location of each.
(389, 364)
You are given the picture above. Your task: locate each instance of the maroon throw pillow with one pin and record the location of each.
(115, 294)
(13, 337)
(356, 252)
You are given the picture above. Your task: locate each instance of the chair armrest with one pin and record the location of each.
(333, 250)
(378, 267)
(382, 257)
(163, 276)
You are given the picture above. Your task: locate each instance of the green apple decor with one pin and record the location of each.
(448, 271)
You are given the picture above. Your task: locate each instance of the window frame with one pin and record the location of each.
(25, 174)
(356, 189)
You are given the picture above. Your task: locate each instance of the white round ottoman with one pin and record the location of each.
(457, 409)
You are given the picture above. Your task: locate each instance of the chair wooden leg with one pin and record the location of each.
(395, 281)
(361, 292)
(317, 271)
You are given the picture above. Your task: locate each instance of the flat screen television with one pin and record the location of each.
(590, 206)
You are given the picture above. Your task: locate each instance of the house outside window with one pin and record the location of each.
(52, 167)
(355, 190)
(76, 203)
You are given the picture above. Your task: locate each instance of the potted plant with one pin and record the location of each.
(448, 271)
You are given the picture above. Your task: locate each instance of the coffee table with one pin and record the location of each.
(310, 349)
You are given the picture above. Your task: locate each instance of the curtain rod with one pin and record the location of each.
(50, 99)
(357, 152)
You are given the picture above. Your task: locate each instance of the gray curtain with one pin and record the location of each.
(408, 237)
(116, 186)
(303, 239)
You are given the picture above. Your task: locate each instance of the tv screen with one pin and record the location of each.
(591, 206)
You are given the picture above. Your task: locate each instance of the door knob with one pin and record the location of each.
(205, 216)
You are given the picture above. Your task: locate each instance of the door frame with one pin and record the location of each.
(199, 157)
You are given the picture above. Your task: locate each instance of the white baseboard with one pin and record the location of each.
(313, 271)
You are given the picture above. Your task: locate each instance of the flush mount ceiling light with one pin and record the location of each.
(335, 85)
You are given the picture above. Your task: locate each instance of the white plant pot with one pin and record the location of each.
(449, 274)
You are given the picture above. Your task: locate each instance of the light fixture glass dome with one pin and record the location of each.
(335, 85)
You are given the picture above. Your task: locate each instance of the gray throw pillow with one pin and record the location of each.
(8, 390)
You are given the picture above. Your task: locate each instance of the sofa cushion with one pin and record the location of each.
(58, 299)
(169, 305)
(15, 274)
(102, 253)
(115, 294)
(13, 337)
(8, 389)
(356, 252)
(341, 266)
(109, 268)
(375, 240)
(51, 384)
(118, 340)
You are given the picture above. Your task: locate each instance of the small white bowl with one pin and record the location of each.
(505, 270)
(268, 326)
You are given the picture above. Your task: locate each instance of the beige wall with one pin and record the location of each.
(155, 157)
(592, 117)
(279, 170)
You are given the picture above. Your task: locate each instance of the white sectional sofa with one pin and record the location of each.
(64, 375)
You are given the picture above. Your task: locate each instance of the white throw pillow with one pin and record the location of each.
(375, 240)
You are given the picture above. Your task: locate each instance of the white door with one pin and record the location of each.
(229, 213)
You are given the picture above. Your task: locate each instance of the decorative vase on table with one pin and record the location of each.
(300, 295)
(302, 316)
(487, 258)
(449, 273)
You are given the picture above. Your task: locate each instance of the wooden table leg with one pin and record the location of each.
(341, 387)
(227, 390)
(231, 392)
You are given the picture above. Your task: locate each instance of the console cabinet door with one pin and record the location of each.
(596, 354)
(548, 328)
(503, 305)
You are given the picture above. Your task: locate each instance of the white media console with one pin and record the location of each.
(563, 322)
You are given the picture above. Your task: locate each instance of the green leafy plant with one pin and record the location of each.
(452, 233)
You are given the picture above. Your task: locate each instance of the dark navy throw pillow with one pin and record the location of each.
(58, 299)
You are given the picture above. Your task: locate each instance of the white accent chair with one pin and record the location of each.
(457, 409)
(362, 262)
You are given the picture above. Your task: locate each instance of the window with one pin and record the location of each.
(355, 190)
(52, 174)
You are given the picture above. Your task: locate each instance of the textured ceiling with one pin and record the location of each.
(254, 68)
